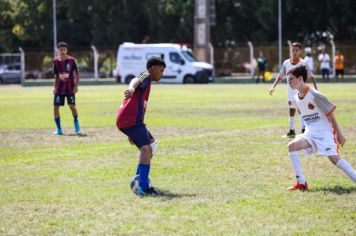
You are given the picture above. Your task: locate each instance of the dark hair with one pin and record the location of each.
(155, 61)
(300, 71)
(297, 44)
(62, 45)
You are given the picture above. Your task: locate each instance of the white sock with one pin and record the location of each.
(347, 168)
(291, 123)
(297, 166)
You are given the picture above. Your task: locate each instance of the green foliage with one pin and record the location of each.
(28, 23)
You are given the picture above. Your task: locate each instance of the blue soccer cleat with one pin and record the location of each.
(58, 132)
(151, 192)
(76, 126)
(139, 192)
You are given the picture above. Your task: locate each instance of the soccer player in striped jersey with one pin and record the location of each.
(66, 85)
(130, 121)
(289, 64)
(322, 135)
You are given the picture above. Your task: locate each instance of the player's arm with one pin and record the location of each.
(312, 78)
(280, 77)
(276, 81)
(340, 137)
(77, 77)
(135, 82)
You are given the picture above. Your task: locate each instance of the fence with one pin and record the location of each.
(227, 61)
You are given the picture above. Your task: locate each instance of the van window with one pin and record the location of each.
(149, 55)
(174, 57)
(189, 56)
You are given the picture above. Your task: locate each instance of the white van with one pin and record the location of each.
(181, 65)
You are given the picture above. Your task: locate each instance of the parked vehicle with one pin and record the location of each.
(182, 66)
(10, 74)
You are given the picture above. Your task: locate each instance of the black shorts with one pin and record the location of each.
(325, 72)
(339, 72)
(59, 99)
(139, 135)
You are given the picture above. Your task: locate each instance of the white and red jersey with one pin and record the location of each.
(314, 108)
(286, 67)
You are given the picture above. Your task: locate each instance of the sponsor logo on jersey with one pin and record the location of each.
(311, 106)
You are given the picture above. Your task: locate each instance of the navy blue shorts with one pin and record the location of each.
(325, 72)
(59, 99)
(139, 135)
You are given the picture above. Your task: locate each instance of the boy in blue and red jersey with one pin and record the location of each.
(66, 85)
(130, 121)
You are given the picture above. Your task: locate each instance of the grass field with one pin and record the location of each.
(221, 163)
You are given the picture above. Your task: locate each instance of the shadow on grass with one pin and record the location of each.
(339, 190)
(78, 135)
(167, 195)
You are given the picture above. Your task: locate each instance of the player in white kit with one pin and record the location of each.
(322, 135)
(289, 64)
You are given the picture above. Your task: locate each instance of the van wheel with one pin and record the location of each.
(189, 79)
(129, 78)
(1, 81)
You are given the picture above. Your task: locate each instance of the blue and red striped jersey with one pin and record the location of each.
(132, 110)
(68, 66)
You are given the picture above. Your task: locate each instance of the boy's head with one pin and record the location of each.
(296, 49)
(296, 75)
(62, 48)
(155, 66)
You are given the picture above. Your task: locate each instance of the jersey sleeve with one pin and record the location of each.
(145, 79)
(54, 69)
(283, 71)
(323, 103)
(75, 67)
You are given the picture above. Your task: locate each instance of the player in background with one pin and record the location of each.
(309, 59)
(66, 85)
(130, 121)
(322, 135)
(339, 66)
(261, 66)
(289, 64)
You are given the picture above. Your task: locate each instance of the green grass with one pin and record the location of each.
(221, 163)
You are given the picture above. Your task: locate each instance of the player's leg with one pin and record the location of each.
(291, 119)
(323, 74)
(342, 75)
(140, 137)
(294, 146)
(258, 77)
(58, 101)
(337, 75)
(73, 108)
(344, 166)
(327, 75)
(154, 146)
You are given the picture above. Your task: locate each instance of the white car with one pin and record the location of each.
(10, 74)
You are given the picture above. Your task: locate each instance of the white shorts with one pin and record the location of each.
(291, 100)
(323, 144)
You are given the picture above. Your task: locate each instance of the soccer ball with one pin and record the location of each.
(134, 183)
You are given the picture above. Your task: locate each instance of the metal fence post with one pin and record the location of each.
(250, 45)
(96, 59)
(332, 57)
(22, 65)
